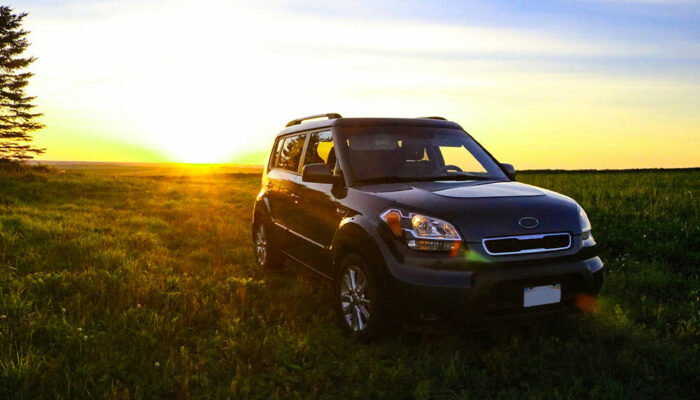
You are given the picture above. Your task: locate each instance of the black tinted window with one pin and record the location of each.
(290, 153)
(320, 149)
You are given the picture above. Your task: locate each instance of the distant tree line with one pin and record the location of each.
(17, 119)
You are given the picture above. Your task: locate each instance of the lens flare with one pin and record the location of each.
(587, 303)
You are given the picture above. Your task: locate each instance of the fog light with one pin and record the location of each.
(433, 245)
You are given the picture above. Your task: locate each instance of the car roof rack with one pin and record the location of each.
(299, 120)
(434, 117)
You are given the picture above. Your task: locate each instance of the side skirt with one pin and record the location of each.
(306, 265)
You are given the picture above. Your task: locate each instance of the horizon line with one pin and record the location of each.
(262, 165)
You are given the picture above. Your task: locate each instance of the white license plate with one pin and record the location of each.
(539, 295)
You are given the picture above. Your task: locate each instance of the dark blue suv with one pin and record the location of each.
(413, 219)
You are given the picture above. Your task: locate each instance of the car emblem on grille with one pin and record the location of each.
(528, 222)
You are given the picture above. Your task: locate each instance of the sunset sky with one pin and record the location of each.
(542, 84)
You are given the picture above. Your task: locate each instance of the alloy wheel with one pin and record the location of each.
(260, 244)
(354, 298)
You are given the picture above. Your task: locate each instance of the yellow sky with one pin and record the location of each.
(214, 81)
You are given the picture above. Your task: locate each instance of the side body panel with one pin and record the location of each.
(319, 216)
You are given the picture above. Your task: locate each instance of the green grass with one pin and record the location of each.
(118, 286)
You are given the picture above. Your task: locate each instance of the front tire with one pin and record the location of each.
(267, 256)
(358, 302)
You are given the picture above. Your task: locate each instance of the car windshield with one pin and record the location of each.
(402, 154)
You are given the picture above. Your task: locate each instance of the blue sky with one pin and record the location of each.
(631, 19)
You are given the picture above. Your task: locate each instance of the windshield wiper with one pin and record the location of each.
(403, 179)
(385, 179)
(457, 177)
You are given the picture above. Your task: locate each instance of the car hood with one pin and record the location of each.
(482, 209)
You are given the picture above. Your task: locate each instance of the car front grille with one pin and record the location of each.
(500, 246)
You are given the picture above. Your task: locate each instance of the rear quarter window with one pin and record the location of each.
(275, 155)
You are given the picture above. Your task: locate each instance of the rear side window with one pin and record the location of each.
(320, 149)
(290, 153)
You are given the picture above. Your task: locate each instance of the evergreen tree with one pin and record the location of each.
(17, 121)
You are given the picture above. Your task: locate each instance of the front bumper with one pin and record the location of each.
(491, 293)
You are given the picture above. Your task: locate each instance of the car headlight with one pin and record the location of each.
(429, 227)
(585, 223)
(421, 232)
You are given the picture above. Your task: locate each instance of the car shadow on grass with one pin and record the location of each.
(601, 353)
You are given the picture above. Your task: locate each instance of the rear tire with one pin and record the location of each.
(358, 302)
(267, 256)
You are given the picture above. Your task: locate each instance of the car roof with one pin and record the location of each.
(347, 122)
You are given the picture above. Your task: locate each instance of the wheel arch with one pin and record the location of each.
(353, 236)
(261, 212)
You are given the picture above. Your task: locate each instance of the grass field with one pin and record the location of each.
(119, 285)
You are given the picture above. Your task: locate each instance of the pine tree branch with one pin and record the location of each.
(16, 121)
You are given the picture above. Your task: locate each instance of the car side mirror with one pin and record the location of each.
(319, 173)
(510, 170)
